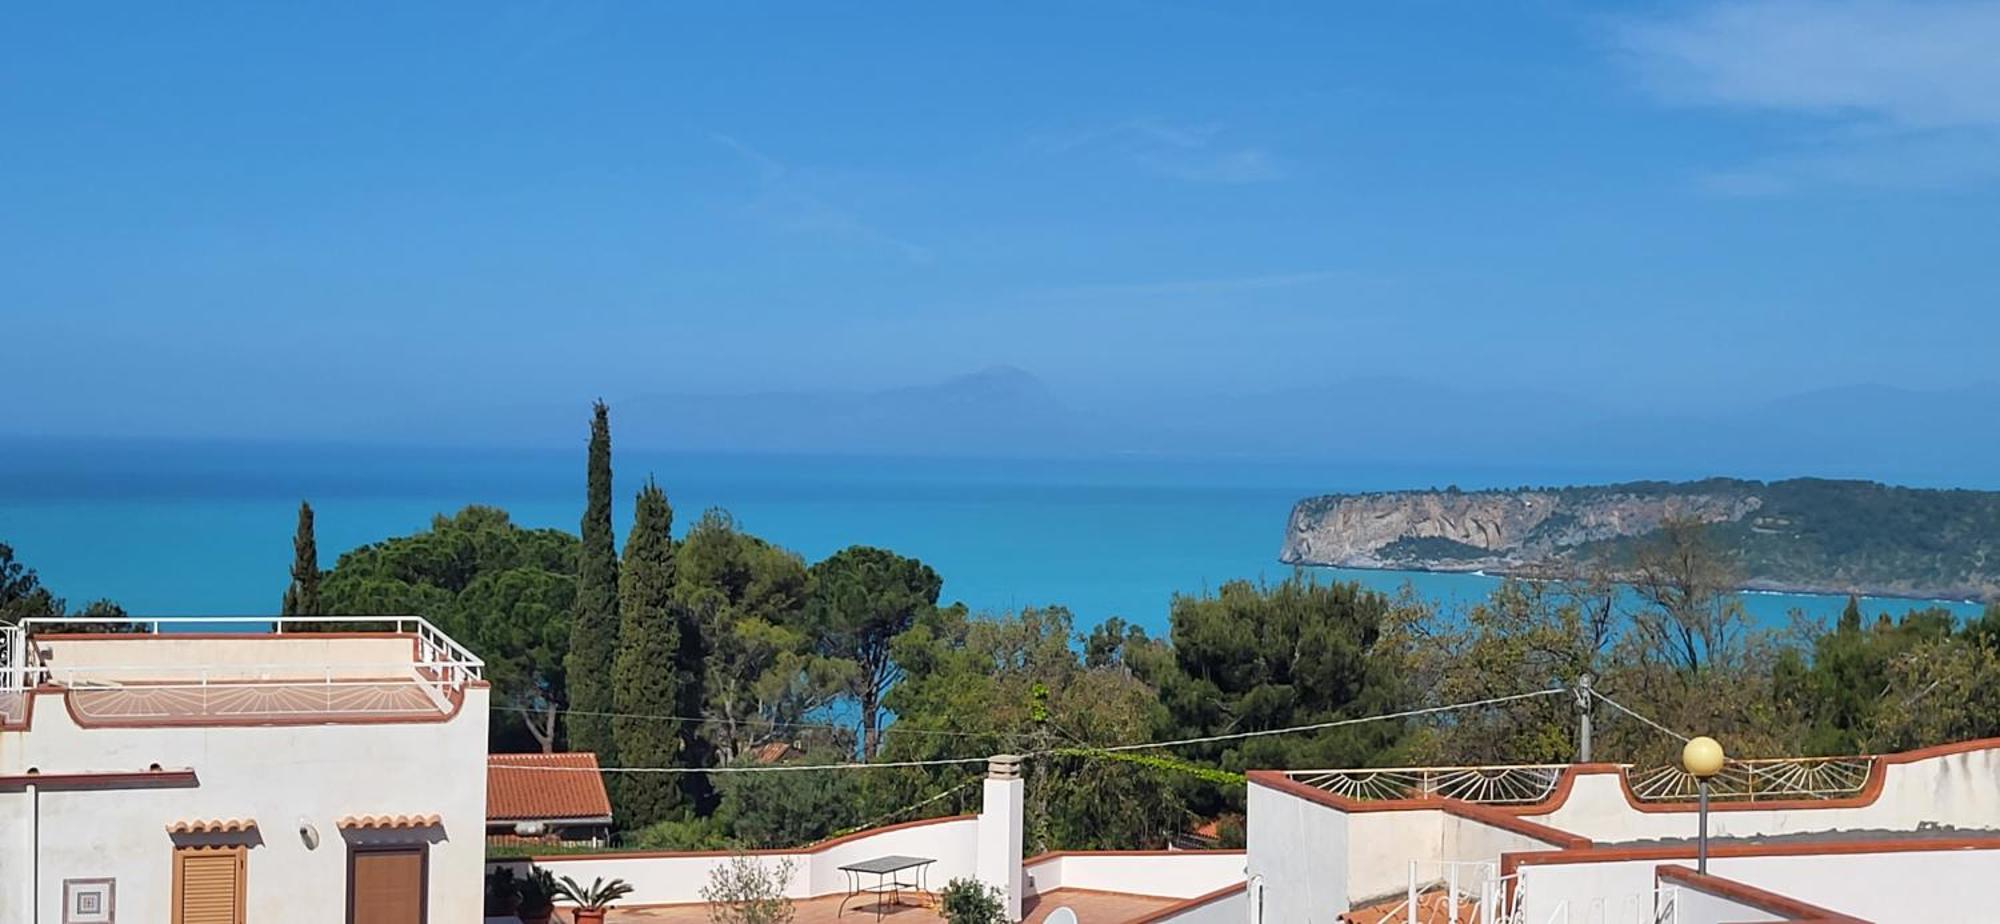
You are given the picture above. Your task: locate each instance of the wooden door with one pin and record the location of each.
(208, 885)
(386, 886)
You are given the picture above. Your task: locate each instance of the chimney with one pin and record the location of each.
(999, 845)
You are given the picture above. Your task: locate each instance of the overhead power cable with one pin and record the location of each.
(718, 720)
(1621, 708)
(1337, 723)
(1135, 746)
(764, 768)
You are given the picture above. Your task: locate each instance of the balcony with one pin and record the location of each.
(252, 671)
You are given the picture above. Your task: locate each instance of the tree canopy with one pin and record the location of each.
(503, 591)
(861, 599)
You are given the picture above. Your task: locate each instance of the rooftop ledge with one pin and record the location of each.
(207, 671)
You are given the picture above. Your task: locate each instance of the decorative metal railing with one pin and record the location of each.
(422, 684)
(12, 649)
(13, 675)
(1501, 785)
(1667, 905)
(1784, 778)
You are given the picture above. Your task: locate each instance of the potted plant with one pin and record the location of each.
(593, 900)
(503, 894)
(536, 904)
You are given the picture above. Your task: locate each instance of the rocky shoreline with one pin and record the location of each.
(1773, 529)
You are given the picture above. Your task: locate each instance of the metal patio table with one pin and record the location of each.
(888, 880)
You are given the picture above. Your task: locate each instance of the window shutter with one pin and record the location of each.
(211, 887)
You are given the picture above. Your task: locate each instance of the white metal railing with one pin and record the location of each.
(1460, 880)
(13, 649)
(1500, 900)
(1499, 784)
(1504, 901)
(13, 675)
(1667, 905)
(1759, 780)
(440, 667)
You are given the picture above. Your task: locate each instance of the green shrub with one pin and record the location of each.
(969, 901)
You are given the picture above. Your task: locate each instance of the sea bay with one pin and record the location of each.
(205, 529)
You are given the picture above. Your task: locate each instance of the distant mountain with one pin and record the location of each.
(1001, 410)
(1806, 534)
(1457, 427)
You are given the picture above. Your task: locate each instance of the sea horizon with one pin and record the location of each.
(1103, 536)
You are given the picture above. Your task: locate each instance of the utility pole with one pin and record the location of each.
(1583, 704)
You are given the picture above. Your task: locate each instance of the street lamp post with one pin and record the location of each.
(1702, 759)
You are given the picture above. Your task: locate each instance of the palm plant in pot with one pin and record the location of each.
(593, 900)
(536, 902)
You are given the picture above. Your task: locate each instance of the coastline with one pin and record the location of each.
(1757, 587)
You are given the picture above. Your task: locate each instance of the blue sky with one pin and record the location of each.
(271, 219)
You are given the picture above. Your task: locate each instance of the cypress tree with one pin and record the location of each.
(593, 636)
(302, 594)
(645, 676)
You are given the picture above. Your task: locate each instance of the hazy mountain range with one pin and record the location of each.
(1874, 431)
(1396, 427)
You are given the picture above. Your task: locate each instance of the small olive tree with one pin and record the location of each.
(747, 890)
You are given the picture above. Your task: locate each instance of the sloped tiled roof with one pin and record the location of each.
(518, 788)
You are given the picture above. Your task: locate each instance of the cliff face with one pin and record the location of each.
(1805, 534)
(1486, 530)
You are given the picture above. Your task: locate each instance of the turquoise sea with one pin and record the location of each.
(205, 529)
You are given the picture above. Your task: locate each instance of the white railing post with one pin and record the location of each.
(1451, 893)
(1410, 906)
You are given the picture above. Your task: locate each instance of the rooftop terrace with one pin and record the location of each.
(204, 671)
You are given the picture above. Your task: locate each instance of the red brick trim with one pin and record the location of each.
(1763, 900)
(137, 779)
(1193, 903)
(1484, 814)
(1054, 855)
(819, 847)
(1510, 863)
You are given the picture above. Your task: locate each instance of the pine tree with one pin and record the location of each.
(646, 679)
(302, 594)
(594, 627)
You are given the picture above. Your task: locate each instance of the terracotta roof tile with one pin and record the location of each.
(519, 789)
(390, 821)
(211, 826)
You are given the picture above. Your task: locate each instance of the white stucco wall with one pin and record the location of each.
(1468, 839)
(1172, 874)
(1955, 789)
(1928, 885)
(1888, 887)
(1233, 908)
(1381, 846)
(1611, 893)
(276, 775)
(1297, 850)
(678, 878)
(251, 657)
(1693, 906)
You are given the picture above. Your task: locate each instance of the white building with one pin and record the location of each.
(264, 774)
(1899, 837)
(203, 777)
(1890, 838)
